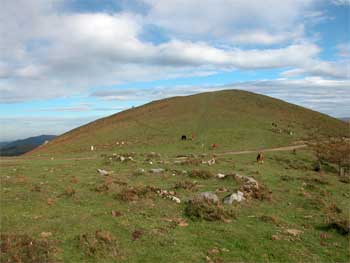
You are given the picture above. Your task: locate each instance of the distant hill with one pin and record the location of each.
(232, 119)
(19, 147)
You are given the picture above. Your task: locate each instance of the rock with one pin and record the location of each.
(157, 170)
(211, 161)
(102, 172)
(293, 232)
(139, 171)
(176, 199)
(220, 176)
(239, 197)
(247, 179)
(209, 196)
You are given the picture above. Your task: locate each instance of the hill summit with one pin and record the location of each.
(231, 119)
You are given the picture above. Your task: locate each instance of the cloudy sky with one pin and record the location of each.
(66, 62)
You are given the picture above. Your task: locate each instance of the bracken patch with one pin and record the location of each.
(203, 174)
(24, 248)
(101, 244)
(135, 193)
(200, 209)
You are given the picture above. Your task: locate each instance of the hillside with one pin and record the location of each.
(153, 199)
(232, 119)
(19, 147)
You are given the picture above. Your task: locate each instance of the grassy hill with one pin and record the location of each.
(57, 207)
(234, 120)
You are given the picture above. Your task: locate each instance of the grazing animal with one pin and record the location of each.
(260, 158)
(193, 136)
(214, 146)
(92, 148)
(183, 137)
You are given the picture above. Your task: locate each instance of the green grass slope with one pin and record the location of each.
(233, 119)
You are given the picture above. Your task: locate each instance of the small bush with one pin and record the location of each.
(344, 179)
(23, 248)
(101, 244)
(198, 209)
(261, 193)
(191, 161)
(135, 193)
(341, 225)
(270, 219)
(203, 174)
(187, 185)
(102, 188)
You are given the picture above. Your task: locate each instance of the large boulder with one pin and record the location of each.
(229, 199)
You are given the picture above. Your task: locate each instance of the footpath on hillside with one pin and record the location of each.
(285, 148)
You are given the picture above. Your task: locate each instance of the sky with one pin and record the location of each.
(64, 63)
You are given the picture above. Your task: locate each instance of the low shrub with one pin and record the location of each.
(203, 174)
(201, 209)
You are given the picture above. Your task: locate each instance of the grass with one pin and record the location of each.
(232, 119)
(142, 231)
(296, 215)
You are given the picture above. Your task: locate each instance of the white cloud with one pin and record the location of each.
(341, 2)
(271, 20)
(46, 53)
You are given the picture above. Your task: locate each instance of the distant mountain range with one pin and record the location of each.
(19, 147)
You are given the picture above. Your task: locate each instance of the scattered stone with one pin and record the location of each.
(139, 171)
(210, 162)
(157, 170)
(208, 196)
(168, 194)
(103, 172)
(247, 180)
(293, 232)
(229, 199)
(220, 175)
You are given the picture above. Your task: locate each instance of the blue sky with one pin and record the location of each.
(64, 63)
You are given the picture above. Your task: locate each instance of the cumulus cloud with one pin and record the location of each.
(223, 18)
(48, 53)
(341, 2)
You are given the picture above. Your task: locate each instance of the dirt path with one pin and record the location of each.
(4, 160)
(278, 149)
